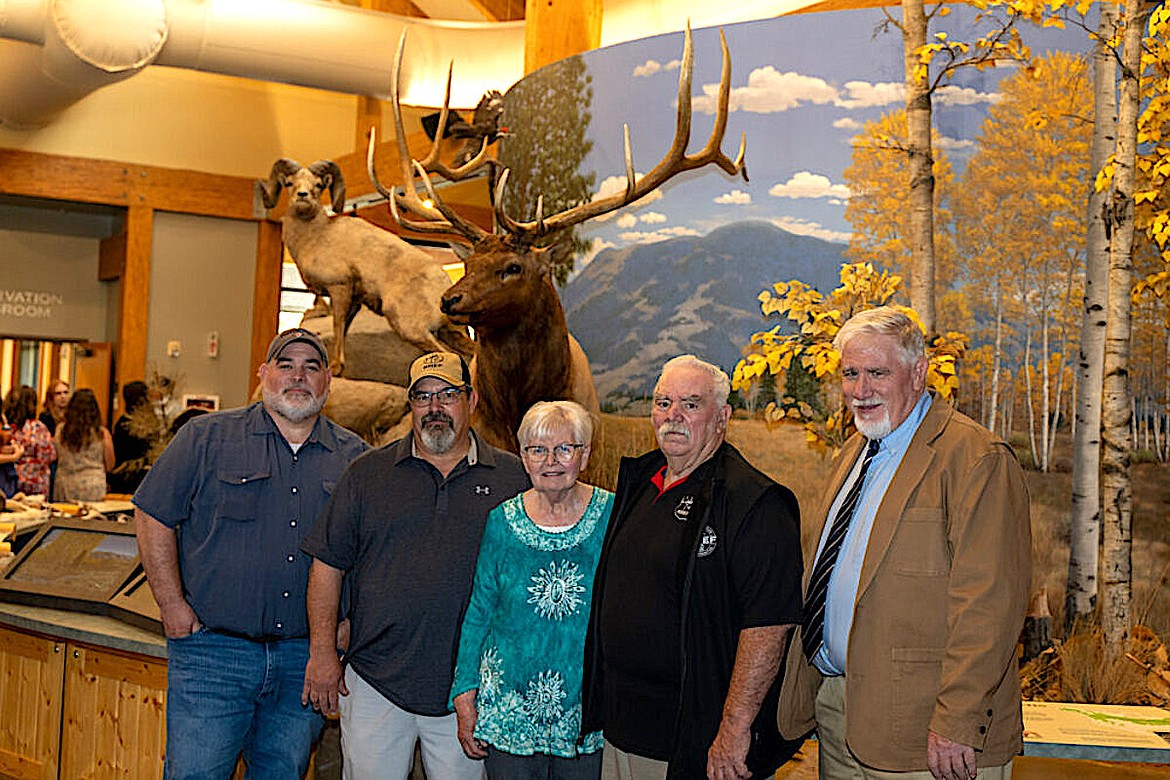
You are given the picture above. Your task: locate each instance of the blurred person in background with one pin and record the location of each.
(85, 451)
(56, 399)
(133, 434)
(31, 435)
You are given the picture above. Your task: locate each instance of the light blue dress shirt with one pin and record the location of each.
(843, 582)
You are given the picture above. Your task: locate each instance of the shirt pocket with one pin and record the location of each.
(240, 493)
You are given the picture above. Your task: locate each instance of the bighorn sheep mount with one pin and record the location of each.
(355, 262)
(526, 353)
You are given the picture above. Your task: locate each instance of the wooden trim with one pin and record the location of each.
(134, 300)
(555, 29)
(112, 257)
(85, 180)
(265, 295)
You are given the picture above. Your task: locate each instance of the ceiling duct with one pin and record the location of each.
(58, 51)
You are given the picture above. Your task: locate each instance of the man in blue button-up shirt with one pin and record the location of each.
(220, 521)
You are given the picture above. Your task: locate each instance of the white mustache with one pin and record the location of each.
(666, 428)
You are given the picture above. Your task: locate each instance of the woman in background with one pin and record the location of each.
(56, 399)
(517, 686)
(39, 452)
(85, 451)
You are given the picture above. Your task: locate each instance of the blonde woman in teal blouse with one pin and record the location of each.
(517, 688)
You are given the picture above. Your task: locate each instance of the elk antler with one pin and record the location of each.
(676, 160)
(409, 201)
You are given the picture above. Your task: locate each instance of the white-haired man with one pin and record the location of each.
(696, 592)
(918, 581)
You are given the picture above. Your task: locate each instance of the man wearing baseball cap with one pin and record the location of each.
(403, 531)
(220, 519)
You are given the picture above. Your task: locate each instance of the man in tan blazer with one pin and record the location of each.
(916, 580)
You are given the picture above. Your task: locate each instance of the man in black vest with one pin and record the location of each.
(696, 593)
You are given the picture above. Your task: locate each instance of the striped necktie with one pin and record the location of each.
(813, 625)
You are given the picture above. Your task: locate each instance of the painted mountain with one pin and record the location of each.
(635, 307)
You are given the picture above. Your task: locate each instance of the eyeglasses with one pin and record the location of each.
(446, 397)
(563, 453)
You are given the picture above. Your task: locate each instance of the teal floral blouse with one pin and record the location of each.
(523, 638)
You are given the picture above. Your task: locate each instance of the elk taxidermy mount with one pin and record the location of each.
(525, 351)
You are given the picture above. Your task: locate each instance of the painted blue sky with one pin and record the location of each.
(801, 88)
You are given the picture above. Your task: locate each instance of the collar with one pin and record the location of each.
(258, 422)
(477, 454)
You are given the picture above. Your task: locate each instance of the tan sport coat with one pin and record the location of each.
(940, 604)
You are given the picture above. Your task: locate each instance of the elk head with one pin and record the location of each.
(501, 268)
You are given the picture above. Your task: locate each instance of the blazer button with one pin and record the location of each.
(989, 713)
(982, 729)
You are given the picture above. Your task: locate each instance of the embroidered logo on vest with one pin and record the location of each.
(683, 510)
(708, 542)
(483, 490)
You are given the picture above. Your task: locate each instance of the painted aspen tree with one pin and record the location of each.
(1080, 597)
(1023, 263)
(1116, 412)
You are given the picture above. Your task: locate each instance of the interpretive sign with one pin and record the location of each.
(1104, 732)
(72, 564)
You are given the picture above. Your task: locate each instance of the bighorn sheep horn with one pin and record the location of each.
(328, 172)
(270, 190)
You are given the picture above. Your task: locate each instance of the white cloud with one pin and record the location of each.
(950, 95)
(954, 144)
(768, 91)
(652, 218)
(804, 227)
(847, 123)
(734, 198)
(804, 184)
(863, 94)
(650, 67)
(626, 221)
(654, 236)
(612, 184)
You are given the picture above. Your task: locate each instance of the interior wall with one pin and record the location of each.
(49, 287)
(202, 272)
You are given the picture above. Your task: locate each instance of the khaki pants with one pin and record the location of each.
(617, 764)
(837, 762)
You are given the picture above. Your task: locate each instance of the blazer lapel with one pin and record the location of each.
(910, 473)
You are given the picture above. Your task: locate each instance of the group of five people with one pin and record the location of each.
(509, 618)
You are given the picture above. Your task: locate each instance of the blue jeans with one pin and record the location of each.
(226, 695)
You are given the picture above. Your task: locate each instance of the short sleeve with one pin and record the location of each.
(167, 492)
(767, 564)
(334, 537)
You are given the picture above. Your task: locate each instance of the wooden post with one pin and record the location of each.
(266, 294)
(555, 29)
(134, 304)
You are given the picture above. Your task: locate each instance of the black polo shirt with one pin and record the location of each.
(408, 539)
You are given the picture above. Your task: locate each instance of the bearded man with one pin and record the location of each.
(919, 570)
(220, 519)
(402, 532)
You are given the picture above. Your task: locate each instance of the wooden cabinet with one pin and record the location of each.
(113, 723)
(31, 681)
(70, 710)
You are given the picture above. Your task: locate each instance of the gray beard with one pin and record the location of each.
(438, 440)
(291, 411)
